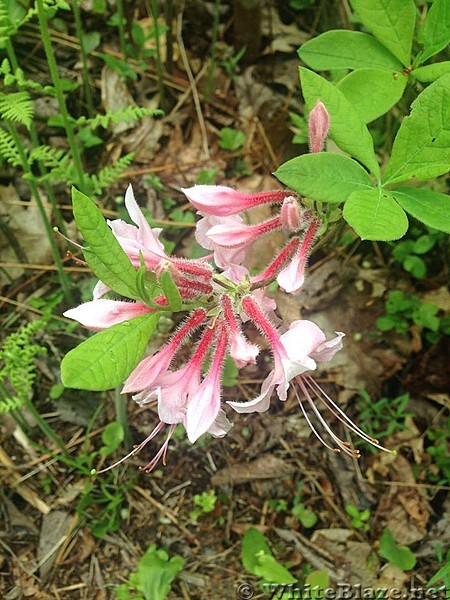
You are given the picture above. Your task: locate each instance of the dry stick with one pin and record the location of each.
(195, 97)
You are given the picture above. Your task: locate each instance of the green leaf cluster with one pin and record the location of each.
(153, 576)
(374, 204)
(380, 65)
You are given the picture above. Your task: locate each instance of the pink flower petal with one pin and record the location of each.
(101, 314)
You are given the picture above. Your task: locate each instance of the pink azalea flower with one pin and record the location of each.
(204, 406)
(153, 367)
(292, 277)
(101, 314)
(221, 201)
(241, 235)
(242, 351)
(224, 257)
(140, 239)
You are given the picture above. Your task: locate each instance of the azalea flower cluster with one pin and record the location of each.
(223, 300)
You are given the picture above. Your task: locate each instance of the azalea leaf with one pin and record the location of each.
(372, 91)
(430, 73)
(105, 360)
(375, 215)
(346, 127)
(341, 49)
(104, 254)
(432, 208)
(422, 145)
(435, 32)
(392, 22)
(325, 176)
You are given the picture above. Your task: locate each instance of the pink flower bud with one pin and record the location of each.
(290, 214)
(319, 123)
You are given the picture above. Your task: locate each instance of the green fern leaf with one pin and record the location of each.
(17, 107)
(109, 175)
(48, 156)
(130, 113)
(8, 149)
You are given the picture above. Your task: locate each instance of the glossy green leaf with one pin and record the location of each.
(375, 215)
(431, 208)
(372, 91)
(346, 127)
(400, 556)
(104, 254)
(325, 176)
(430, 73)
(422, 146)
(435, 33)
(171, 291)
(341, 49)
(269, 569)
(392, 22)
(106, 359)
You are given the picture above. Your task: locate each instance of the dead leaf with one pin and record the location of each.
(266, 466)
(54, 531)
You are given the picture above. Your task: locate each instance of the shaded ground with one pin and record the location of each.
(47, 510)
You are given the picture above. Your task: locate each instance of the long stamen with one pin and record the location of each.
(341, 446)
(341, 416)
(162, 452)
(135, 450)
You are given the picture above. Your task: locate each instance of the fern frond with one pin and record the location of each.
(17, 107)
(9, 403)
(109, 175)
(8, 149)
(130, 113)
(48, 156)
(7, 27)
(63, 170)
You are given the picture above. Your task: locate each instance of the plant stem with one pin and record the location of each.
(162, 93)
(212, 67)
(120, 13)
(84, 61)
(45, 428)
(121, 416)
(35, 140)
(64, 280)
(43, 23)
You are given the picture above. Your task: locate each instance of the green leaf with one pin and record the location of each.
(317, 581)
(253, 543)
(307, 517)
(375, 215)
(424, 243)
(325, 176)
(400, 556)
(156, 572)
(340, 49)
(106, 359)
(271, 570)
(392, 22)
(431, 208)
(112, 436)
(435, 33)
(171, 291)
(231, 139)
(346, 126)
(415, 265)
(431, 72)
(104, 254)
(17, 107)
(372, 91)
(385, 323)
(422, 146)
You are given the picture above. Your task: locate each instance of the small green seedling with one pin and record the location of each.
(205, 503)
(358, 518)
